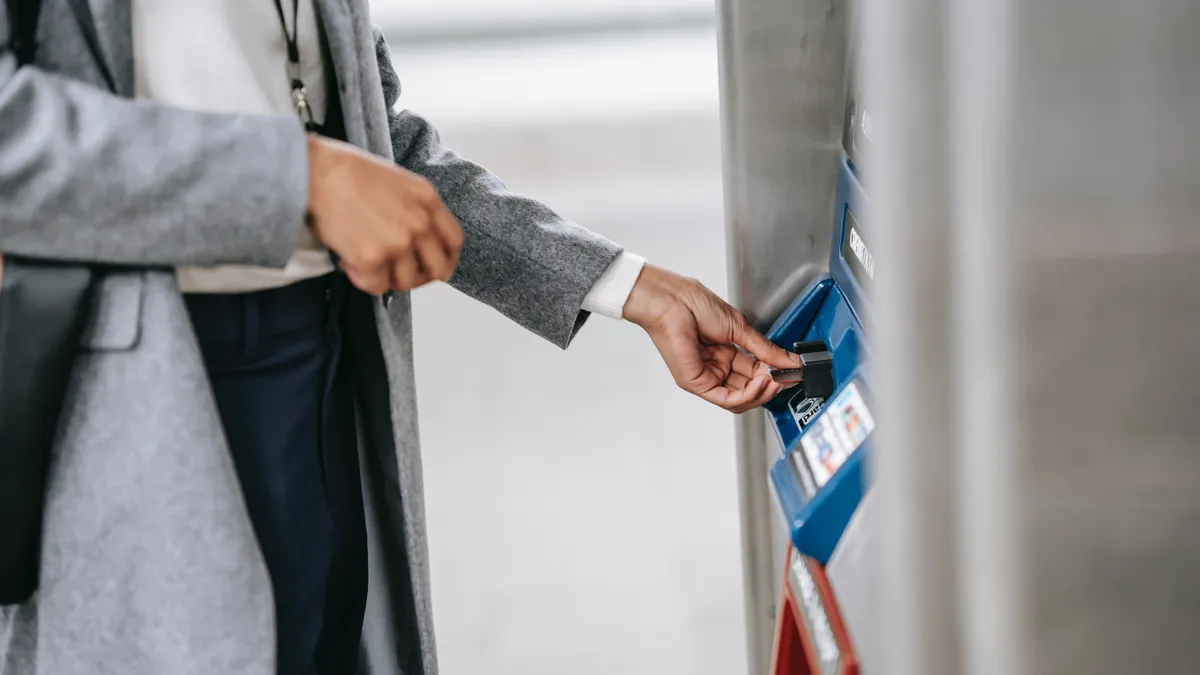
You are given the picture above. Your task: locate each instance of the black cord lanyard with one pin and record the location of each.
(299, 92)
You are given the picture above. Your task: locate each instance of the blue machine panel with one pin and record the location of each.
(819, 481)
(851, 264)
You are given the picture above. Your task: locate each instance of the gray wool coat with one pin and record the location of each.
(149, 564)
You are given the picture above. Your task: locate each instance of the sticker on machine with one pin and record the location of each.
(823, 450)
(853, 420)
(835, 435)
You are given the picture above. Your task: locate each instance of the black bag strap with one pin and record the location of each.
(23, 16)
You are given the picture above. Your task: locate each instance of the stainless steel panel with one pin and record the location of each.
(913, 342)
(782, 81)
(1108, 218)
(1039, 321)
(854, 573)
(783, 97)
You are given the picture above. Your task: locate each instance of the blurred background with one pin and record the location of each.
(583, 512)
(1035, 179)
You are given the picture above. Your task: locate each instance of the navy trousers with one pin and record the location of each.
(286, 399)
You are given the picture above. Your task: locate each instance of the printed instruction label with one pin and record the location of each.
(819, 629)
(836, 434)
(857, 254)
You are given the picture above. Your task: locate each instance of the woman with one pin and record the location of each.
(249, 355)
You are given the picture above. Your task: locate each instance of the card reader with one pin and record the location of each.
(815, 372)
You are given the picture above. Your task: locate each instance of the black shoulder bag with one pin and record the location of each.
(43, 313)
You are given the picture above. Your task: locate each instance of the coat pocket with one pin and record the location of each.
(116, 316)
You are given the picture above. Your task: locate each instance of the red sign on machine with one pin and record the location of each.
(810, 637)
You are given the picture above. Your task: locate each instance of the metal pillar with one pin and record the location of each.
(915, 461)
(783, 96)
(1039, 169)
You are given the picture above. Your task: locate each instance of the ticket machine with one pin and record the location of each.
(820, 479)
(825, 434)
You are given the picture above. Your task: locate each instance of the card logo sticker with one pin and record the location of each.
(834, 436)
(805, 409)
(854, 421)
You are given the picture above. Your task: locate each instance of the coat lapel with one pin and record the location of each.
(341, 38)
(114, 31)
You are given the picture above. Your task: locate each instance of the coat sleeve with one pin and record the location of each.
(88, 176)
(519, 256)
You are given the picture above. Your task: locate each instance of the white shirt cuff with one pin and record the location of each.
(612, 289)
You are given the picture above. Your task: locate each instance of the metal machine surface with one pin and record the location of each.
(1037, 335)
(782, 91)
(854, 574)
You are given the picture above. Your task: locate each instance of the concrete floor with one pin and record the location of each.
(583, 511)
